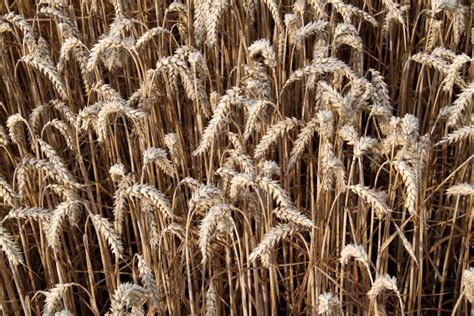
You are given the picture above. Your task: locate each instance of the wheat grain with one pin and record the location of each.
(174, 147)
(216, 9)
(318, 67)
(175, 229)
(348, 10)
(13, 124)
(302, 140)
(268, 168)
(354, 251)
(65, 130)
(148, 35)
(240, 184)
(274, 189)
(244, 161)
(218, 120)
(49, 70)
(256, 109)
(109, 108)
(310, 29)
(347, 34)
(385, 282)
(201, 8)
(453, 70)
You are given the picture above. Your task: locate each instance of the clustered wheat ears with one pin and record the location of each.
(258, 157)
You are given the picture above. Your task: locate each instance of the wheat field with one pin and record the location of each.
(236, 157)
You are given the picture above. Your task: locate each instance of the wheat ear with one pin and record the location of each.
(6, 192)
(270, 240)
(276, 131)
(461, 189)
(208, 226)
(376, 199)
(411, 185)
(467, 284)
(160, 157)
(148, 281)
(49, 70)
(329, 304)
(293, 215)
(107, 232)
(53, 298)
(127, 295)
(385, 282)
(9, 247)
(152, 196)
(264, 48)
